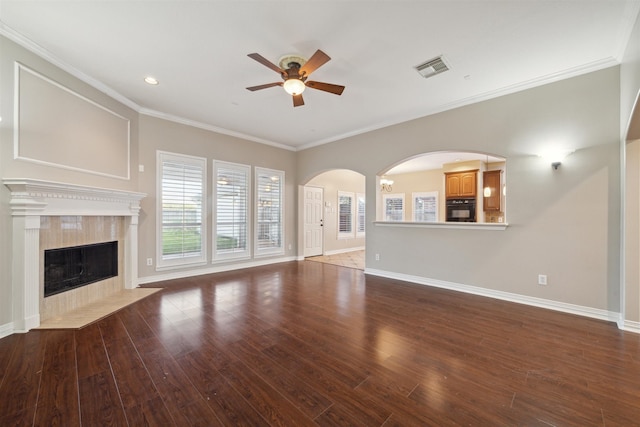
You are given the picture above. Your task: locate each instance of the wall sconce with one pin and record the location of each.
(386, 184)
(556, 157)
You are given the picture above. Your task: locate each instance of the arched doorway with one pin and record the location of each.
(332, 220)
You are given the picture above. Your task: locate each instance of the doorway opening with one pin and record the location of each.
(333, 218)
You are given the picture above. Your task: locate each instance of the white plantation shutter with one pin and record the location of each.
(345, 215)
(269, 212)
(393, 207)
(425, 207)
(231, 210)
(181, 201)
(360, 219)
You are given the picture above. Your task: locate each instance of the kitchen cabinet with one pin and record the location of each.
(491, 190)
(460, 184)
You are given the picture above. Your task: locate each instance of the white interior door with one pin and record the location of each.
(313, 231)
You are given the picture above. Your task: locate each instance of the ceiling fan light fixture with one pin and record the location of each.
(294, 86)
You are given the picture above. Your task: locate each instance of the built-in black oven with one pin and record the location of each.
(461, 210)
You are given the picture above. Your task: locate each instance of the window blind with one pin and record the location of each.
(231, 210)
(181, 198)
(345, 214)
(269, 211)
(393, 207)
(360, 220)
(425, 207)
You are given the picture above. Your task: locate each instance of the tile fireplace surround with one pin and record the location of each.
(32, 199)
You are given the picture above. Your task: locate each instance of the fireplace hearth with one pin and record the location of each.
(35, 206)
(73, 267)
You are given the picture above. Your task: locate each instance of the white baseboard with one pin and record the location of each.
(6, 330)
(595, 313)
(344, 251)
(630, 326)
(210, 270)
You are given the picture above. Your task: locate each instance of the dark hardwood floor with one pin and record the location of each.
(305, 343)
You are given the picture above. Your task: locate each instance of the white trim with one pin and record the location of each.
(169, 263)
(600, 64)
(6, 330)
(579, 310)
(360, 234)
(424, 194)
(31, 199)
(352, 220)
(257, 251)
(212, 270)
(451, 225)
(211, 128)
(344, 251)
(233, 255)
(16, 131)
(554, 77)
(630, 326)
(28, 44)
(387, 196)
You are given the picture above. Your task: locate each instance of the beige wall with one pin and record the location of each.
(579, 253)
(157, 134)
(12, 168)
(632, 232)
(414, 182)
(332, 182)
(556, 225)
(630, 128)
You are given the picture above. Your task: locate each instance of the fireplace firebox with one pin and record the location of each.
(72, 267)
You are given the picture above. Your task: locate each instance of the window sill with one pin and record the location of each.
(450, 225)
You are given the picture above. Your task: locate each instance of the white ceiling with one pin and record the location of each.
(198, 51)
(436, 160)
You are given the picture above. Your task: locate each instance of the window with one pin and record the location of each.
(345, 215)
(182, 185)
(425, 206)
(360, 218)
(231, 210)
(269, 212)
(350, 215)
(393, 207)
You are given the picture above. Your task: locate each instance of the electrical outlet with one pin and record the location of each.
(542, 279)
(149, 261)
(377, 257)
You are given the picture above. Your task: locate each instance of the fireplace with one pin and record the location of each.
(82, 216)
(72, 267)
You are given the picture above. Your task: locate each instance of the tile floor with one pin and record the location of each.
(93, 312)
(353, 259)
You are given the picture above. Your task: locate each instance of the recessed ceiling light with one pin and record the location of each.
(151, 80)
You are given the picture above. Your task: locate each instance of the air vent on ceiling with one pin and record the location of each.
(432, 67)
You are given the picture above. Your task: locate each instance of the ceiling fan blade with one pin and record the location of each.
(254, 88)
(327, 87)
(297, 100)
(264, 61)
(317, 59)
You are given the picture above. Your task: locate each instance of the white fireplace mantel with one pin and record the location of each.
(31, 199)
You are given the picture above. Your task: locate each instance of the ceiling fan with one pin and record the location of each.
(294, 70)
